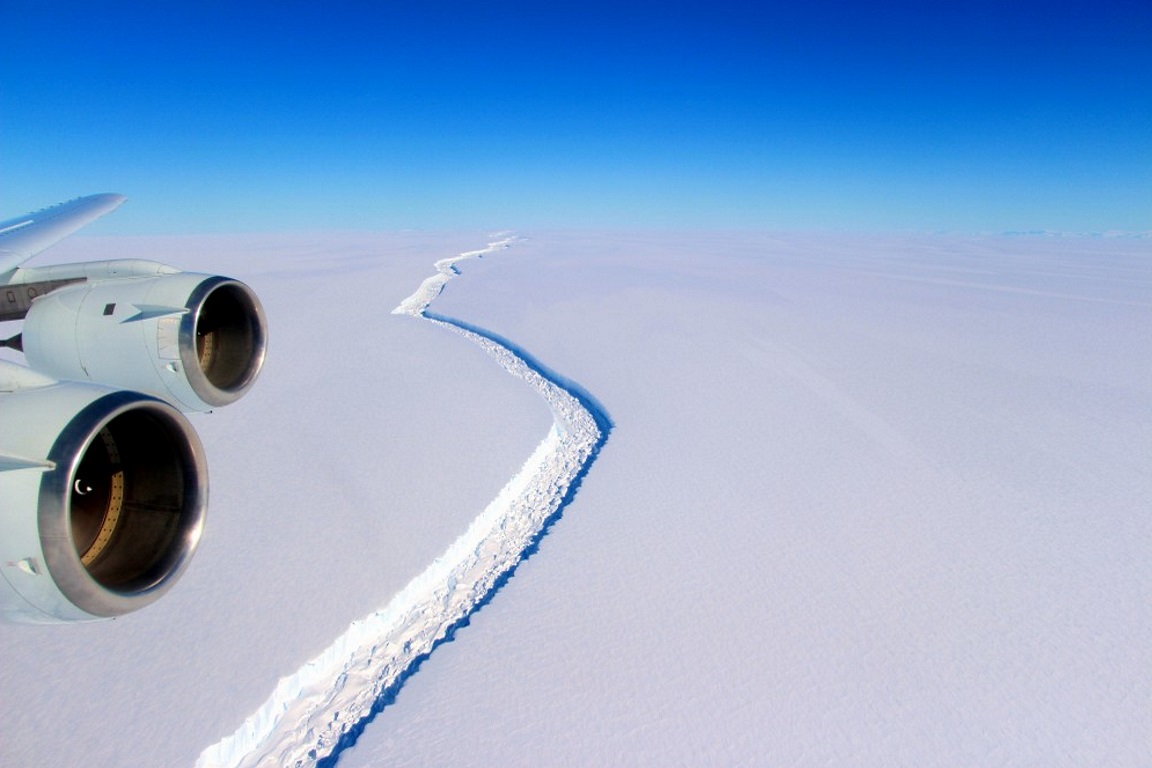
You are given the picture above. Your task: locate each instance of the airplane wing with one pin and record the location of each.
(25, 236)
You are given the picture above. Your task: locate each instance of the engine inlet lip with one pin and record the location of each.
(211, 394)
(54, 514)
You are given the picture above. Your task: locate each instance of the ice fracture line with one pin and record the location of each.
(319, 709)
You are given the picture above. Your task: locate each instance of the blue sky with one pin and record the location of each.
(223, 116)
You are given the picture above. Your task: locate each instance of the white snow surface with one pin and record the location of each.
(311, 709)
(866, 501)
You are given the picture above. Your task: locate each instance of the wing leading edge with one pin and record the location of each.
(23, 237)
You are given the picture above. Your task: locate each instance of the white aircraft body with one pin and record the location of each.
(103, 482)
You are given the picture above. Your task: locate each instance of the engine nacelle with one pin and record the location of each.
(103, 496)
(197, 341)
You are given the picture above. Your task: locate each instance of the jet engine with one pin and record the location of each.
(102, 501)
(103, 482)
(195, 340)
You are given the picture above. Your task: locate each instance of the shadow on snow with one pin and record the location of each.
(603, 421)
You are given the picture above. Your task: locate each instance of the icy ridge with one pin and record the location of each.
(308, 713)
(445, 270)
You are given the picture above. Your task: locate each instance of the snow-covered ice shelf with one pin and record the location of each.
(321, 707)
(879, 500)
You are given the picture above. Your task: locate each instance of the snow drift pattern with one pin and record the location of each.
(310, 711)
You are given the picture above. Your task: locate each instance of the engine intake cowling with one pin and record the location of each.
(108, 510)
(197, 341)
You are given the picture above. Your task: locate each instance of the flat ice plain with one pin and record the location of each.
(866, 501)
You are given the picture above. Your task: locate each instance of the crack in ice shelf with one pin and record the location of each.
(320, 709)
